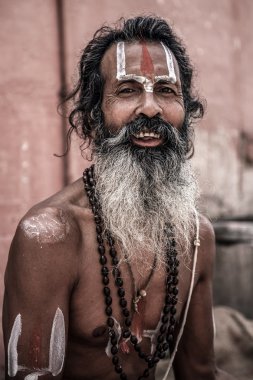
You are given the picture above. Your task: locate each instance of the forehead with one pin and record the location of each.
(140, 58)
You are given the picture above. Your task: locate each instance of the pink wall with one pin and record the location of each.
(218, 35)
(30, 126)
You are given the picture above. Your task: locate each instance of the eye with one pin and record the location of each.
(165, 90)
(126, 90)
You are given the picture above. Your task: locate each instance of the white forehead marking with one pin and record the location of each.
(170, 64)
(148, 84)
(57, 344)
(121, 69)
(121, 60)
(121, 65)
(13, 345)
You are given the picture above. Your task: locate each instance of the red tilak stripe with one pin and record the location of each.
(147, 67)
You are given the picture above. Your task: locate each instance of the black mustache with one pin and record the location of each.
(170, 135)
(174, 141)
(170, 154)
(154, 124)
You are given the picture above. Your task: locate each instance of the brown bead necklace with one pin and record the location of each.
(168, 320)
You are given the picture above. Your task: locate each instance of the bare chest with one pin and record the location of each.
(102, 297)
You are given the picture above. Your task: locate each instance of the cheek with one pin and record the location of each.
(175, 114)
(117, 113)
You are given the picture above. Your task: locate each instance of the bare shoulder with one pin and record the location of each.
(206, 227)
(206, 255)
(50, 232)
(47, 224)
(56, 219)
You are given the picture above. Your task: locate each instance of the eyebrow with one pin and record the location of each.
(141, 78)
(132, 78)
(164, 78)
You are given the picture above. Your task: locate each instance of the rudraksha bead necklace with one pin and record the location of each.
(168, 320)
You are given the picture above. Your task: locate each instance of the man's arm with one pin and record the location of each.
(38, 281)
(195, 358)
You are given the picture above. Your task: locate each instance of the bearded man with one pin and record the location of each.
(104, 278)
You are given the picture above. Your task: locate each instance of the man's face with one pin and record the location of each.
(141, 79)
(141, 144)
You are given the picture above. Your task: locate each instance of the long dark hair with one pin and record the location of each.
(86, 116)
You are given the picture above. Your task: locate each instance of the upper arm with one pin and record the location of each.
(38, 280)
(195, 356)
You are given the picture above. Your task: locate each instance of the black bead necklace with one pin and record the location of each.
(168, 320)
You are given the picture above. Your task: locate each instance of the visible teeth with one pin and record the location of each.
(146, 134)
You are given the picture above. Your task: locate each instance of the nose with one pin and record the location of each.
(148, 105)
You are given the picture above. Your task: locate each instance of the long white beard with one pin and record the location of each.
(137, 211)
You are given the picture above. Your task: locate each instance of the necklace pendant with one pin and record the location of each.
(140, 294)
(135, 303)
(139, 305)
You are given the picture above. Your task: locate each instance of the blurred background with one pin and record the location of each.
(41, 41)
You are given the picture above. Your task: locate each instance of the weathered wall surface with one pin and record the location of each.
(30, 126)
(224, 140)
(219, 37)
(219, 40)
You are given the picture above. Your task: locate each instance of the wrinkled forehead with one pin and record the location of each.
(149, 59)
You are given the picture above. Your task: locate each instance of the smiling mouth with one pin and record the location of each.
(147, 139)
